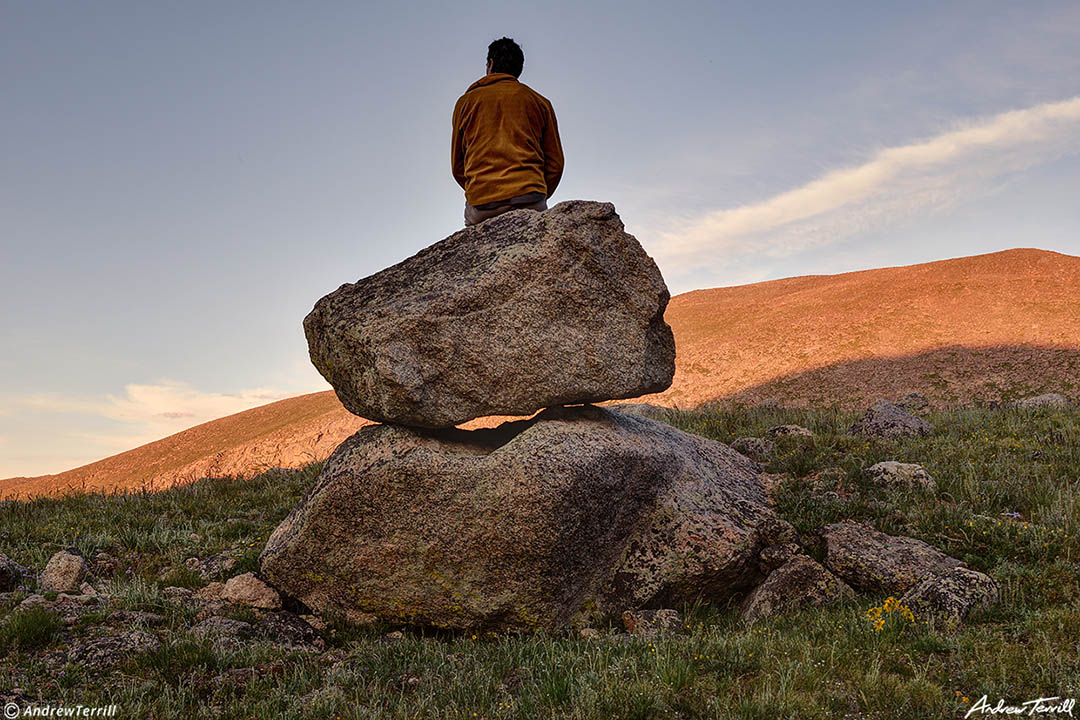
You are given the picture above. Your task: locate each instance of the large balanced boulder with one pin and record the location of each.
(571, 516)
(525, 311)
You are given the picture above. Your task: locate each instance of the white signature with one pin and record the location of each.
(1040, 706)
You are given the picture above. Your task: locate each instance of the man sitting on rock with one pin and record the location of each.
(506, 151)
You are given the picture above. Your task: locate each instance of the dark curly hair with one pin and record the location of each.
(506, 56)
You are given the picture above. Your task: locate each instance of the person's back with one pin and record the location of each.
(506, 151)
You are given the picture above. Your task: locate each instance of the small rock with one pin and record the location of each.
(216, 566)
(287, 630)
(247, 589)
(135, 617)
(211, 592)
(755, 448)
(913, 403)
(10, 573)
(178, 594)
(108, 651)
(950, 596)
(34, 601)
(588, 632)
(799, 583)
(886, 420)
(218, 626)
(774, 556)
(209, 610)
(649, 622)
(892, 474)
(394, 635)
(784, 430)
(87, 589)
(64, 572)
(103, 565)
(871, 560)
(195, 537)
(1047, 400)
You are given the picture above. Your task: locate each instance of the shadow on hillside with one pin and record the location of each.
(948, 377)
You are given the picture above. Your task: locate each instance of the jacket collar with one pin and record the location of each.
(491, 80)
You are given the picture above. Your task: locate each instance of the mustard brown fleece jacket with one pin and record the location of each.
(505, 142)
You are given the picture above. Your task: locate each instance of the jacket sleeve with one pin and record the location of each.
(457, 148)
(553, 153)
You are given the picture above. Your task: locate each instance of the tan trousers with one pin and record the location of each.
(474, 215)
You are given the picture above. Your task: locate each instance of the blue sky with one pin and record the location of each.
(180, 182)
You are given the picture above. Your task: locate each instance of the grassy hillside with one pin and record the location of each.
(1008, 502)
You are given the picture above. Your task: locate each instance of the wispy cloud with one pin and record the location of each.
(152, 411)
(895, 183)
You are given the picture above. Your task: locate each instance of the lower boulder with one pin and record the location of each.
(558, 521)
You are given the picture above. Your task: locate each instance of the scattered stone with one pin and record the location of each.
(216, 567)
(914, 403)
(35, 601)
(1047, 400)
(217, 626)
(211, 592)
(211, 609)
(886, 420)
(10, 573)
(518, 527)
(950, 596)
(286, 630)
(87, 589)
(105, 652)
(527, 311)
(871, 560)
(798, 583)
(247, 589)
(195, 537)
(103, 565)
(774, 556)
(135, 617)
(651, 622)
(755, 448)
(394, 635)
(588, 632)
(64, 573)
(892, 474)
(786, 430)
(178, 594)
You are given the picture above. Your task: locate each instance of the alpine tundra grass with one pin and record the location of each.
(1007, 503)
